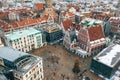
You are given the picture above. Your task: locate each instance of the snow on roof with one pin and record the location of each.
(10, 54)
(110, 56)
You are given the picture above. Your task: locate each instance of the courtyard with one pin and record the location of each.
(58, 63)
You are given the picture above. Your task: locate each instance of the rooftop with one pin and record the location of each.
(52, 28)
(91, 22)
(115, 20)
(110, 56)
(95, 33)
(18, 34)
(11, 54)
(67, 24)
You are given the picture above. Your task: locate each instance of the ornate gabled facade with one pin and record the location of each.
(91, 39)
(115, 26)
(51, 12)
(70, 40)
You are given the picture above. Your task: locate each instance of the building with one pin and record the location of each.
(91, 22)
(25, 40)
(39, 7)
(5, 73)
(78, 17)
(114, 26)
(1, 43)
(37, 22)
(53, 33)
(91, 39)
(70, 40)
(50, 12)
(67, 15)
(66, 24)
(13, 16)
(106, 63)
(23, 65)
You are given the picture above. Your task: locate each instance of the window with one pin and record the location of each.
(40, 63)
(41, 76)
(30, 72)
(37, 72)
(20, 76)
(26, 75)
(16, 75)
(40, 70)
(34, 75)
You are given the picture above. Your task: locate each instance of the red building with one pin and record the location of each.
(91, 39)
(67, 15)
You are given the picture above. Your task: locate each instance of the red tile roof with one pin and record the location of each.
(70, 14)
(74, 6)
(114, 29)
(18, 10)
(3, 15)
(14, 25)
(32, 21)
(95, 33)
(4, 26)
(67, 24)
(39, 6)
(115, 21)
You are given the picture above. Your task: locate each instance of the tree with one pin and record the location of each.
(76, 68)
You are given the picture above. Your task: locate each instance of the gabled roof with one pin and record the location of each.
(95, 33)
(5, 26)
(67, 24)
(115, 20)
(70, 14)
(32, 21)
(38, 6)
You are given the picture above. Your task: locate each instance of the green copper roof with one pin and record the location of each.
(18, 34)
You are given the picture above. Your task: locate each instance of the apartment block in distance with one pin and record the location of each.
(23, 65)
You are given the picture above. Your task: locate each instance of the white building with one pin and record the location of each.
(13, 16)
(1, 44)
(23, 65)
(25, 40)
